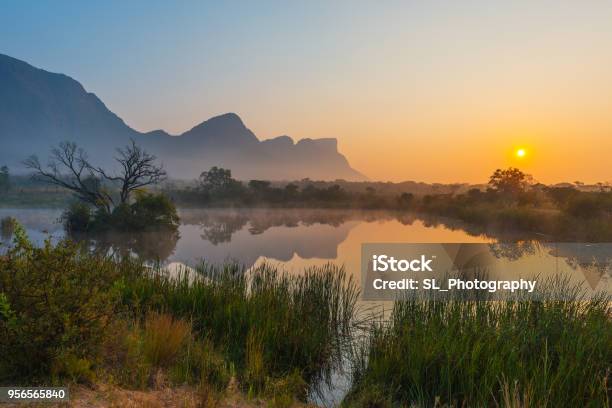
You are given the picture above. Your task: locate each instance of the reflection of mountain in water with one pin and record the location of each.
(291, 235)
(150, 246)
(593, 260)
(246, 235)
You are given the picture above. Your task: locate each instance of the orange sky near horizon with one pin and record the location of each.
(440, 91)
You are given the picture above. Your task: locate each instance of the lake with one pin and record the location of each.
(298, 238)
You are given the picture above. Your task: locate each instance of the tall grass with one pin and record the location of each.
(7, 227)
(164, 337)
(522, 352)
(267, 323)
(68, 313)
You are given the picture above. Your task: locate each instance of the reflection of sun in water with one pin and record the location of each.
(521, 153)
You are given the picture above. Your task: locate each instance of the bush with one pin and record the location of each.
(147, 212)
(77, 218)
(586, 206)
(56, 304)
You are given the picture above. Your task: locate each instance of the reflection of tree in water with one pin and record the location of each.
(513, 251)
(594, 260)
(406, 218)
(262, 222)
(508, 235)
(434, 221)
(220, 228)
(149, 246)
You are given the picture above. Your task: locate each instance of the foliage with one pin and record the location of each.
(7, 227)
(510, 181)
(267, 324)
(66, 313)
(148, 212)
(70, 315)
(77, 217)
(57, 303)
(547, 352)
(405, 200)
(216, 187)
(588, 206)
(163, 338)
(560, 213)
(218, 181)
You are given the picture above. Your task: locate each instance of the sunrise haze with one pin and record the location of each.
(428, 91)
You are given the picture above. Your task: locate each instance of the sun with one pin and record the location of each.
(520, 153)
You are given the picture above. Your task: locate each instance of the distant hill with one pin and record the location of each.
(39, 109)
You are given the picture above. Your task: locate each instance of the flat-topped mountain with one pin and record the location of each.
(39, 109)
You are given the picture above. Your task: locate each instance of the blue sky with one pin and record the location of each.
(388, 79)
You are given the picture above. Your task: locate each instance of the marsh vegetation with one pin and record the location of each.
(516, 353)
(69, 315)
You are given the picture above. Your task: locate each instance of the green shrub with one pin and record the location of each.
(147, 212)
(56, 303)
(77, 218)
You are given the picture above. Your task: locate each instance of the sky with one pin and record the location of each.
(434, 91)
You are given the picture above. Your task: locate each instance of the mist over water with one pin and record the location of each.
(298, 238)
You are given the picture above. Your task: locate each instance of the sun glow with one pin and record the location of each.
(520, 153)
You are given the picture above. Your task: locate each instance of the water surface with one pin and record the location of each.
(295, 239)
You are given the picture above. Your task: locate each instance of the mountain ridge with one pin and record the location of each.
(39, 109)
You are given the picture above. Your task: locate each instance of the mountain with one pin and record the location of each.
(39, 109)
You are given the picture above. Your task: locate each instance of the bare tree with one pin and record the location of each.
(138, 169)
(70, 168)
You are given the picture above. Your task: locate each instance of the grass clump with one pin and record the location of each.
(7, 227)
(266, 323)
(544, 353)
(163, 338)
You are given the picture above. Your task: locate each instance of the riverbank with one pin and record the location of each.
(110, 396)
(71, 317)
(227, 334)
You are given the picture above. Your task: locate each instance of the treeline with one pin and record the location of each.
(510, 201)
(217, 188)
(513, 201)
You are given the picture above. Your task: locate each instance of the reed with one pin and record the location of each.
(267, 323)
(521, 352)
